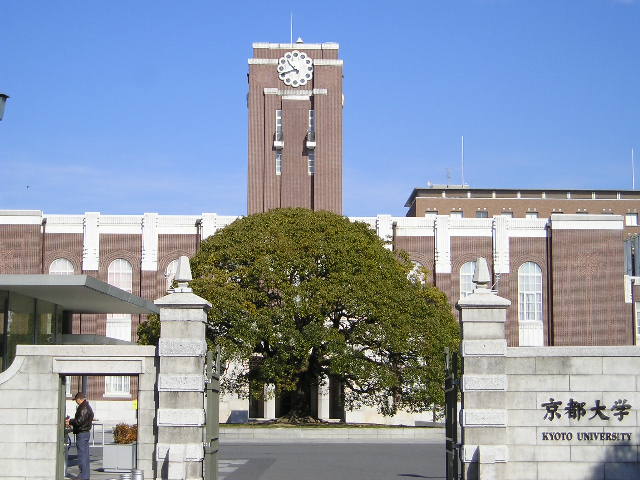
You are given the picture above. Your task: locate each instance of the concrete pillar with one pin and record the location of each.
(323, 399)
(182, 349)
(484, 382)
(269, 402)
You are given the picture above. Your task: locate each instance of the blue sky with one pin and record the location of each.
(139, 106)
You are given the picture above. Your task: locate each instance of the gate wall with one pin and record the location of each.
(512, 424)
(30, 430)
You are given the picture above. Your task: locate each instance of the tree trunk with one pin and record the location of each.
(301, 400)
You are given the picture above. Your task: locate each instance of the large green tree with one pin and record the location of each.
(311, 294)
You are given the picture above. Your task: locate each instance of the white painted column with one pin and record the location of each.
(91, 242)
(269, 402)
(323, 398)
(384, 229)
(501, 244)
(443, 245)
(209, 225)
(150, 242)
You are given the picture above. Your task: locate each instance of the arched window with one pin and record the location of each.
(466, 278)
(61, 266)
(170, 272)
(119, 274)
(530, 304)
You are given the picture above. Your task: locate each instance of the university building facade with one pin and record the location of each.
(558, 256)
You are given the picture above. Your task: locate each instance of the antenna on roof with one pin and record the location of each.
(291, 28)
(633, 172)
(462, 157)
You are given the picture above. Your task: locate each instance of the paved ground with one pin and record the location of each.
(337, 461)
(314, 461)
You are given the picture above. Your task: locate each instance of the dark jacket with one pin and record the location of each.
(82, 421)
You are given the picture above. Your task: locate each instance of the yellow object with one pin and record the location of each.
(135, 404)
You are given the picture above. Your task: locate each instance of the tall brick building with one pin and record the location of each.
(295, 127)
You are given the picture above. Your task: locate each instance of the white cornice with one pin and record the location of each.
(328, 62)
(290, 91)
(263, 61)
(415, 226)
(300, 46)
(470, 227)
(587, 222)
(13, 219)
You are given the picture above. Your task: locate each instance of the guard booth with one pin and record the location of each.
(38, 351)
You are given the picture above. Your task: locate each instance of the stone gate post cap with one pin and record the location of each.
(182, 300)
(481, 275)
(183, 272)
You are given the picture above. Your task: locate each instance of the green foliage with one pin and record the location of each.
(149, 330)
(311, 293)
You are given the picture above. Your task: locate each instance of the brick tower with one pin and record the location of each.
(295, 127)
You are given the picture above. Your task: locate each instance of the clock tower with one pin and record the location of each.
(295, 127)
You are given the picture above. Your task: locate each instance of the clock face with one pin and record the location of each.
(295, 68)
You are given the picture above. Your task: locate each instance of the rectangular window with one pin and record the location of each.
(279, 134)
(119, 326)
(20, 324)
(507, 214)
(431, 212)
(482, 214)
(531, 215)
(311, 159)
(631, 219)
(456, 214)
(67, 386)
(278, 163)
(312, 120)
(119, 386)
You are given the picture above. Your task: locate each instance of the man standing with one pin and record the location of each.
(81, 424)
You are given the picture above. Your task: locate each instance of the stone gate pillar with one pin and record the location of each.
(182, 350)
(484, 382)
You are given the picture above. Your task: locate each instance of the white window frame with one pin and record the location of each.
(530, 305)
(278, 163)
(456, 214)
(61, 266)
(531, 215)
(67, 386)
(117, 386)
(631, 219)
(279, 129)
(120, 275)
(466, 278)
(312, 121)
(482, 214)
(311, 162)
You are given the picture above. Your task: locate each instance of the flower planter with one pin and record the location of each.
(119, 458)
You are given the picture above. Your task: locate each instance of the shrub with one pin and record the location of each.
(123, 433)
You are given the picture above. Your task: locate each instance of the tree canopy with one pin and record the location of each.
(311, 294)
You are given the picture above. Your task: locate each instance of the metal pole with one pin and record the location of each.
(211, 440)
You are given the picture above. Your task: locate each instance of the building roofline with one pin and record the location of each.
(416, 193)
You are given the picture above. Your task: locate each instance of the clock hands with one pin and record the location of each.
(294, 68)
